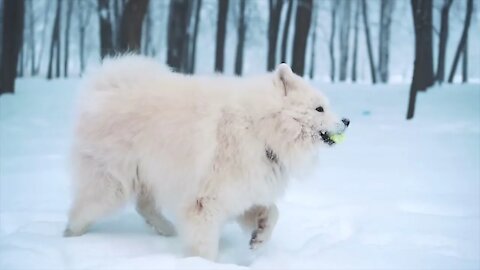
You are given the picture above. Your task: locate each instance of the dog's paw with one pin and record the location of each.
(258, 239)
(164, 228)
(70, 233)
(166, 231)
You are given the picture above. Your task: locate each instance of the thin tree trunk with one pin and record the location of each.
(83, 20)
(117, 16)
(1, 27)
(463, 40)
(423, 64)
(82, 50)
(44, 34)
(106, 36)
(331, 46)
(21, 62)
(369, 42)
(313, 41)
(67, 38)
(465, 62)
(130, 34)
(242, 27)
(286, 30)
(178, 22)
(31, 27)
(12, 40)
(116, 13)
(275, 10)
(188, 37)
(355, 42)
(442, 41)
(386, 10)
(58, 49)
(193, 54)
(221, 35)
(55, 40)
(344, 39)
(147, 35)
(302, 26)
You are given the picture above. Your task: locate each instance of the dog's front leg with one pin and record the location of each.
(259, 220)
(200, 229)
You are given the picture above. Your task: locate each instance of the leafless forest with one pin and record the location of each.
(58, 38)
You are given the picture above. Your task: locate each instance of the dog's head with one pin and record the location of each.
(305, 119)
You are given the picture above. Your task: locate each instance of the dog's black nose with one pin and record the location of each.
(346, 121)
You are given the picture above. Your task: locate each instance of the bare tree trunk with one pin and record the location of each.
(83, 20)
(193, 53)
(302, 26)
(221, 35)
(106, 38)
(465, 62)
(67, 38)
(313, 41)
(58, 48)
(58, 55)
(423, 65)
(182, 33)
(31, 32)
(463, 40)
(188, 36)
(178, 22)
(12, 40)
(275, 10)
(147, 36)
(355, 42)
(331, 46)
(286, 30)
(386, 10)
(442, 41)
(130, 35)
(55, 40)
(82, 50)
(242, 27)
(21, 62)
(118, 6)
(116, 13)
(44, 33)
(369, 41)
(1, 27)
(344, 39)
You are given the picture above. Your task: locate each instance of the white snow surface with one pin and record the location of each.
(396, 194)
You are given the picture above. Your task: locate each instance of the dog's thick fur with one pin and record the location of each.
(206, 148)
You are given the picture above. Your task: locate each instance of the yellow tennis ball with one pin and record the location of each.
(337, 138)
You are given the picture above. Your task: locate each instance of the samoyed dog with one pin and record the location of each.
(207, 149)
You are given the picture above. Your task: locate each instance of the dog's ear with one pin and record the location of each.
(284, 75)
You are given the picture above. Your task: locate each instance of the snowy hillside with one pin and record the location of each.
(396, 194)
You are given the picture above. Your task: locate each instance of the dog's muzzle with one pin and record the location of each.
(326, 138)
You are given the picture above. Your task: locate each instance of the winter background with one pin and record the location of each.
(396, 194)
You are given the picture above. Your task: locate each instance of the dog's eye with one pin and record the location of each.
(319, 109)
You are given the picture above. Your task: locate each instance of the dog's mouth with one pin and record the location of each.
(326, 138)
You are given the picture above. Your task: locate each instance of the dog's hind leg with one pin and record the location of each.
(98, 194)
(259, 220)
(147, 208)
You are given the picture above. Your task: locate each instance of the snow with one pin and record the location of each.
(396, 194)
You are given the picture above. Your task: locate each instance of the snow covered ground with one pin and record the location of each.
(396, 194)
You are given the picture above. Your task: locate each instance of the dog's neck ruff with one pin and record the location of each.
(272, 156)
(277, 174)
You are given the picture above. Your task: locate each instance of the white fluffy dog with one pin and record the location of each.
(206, 148)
